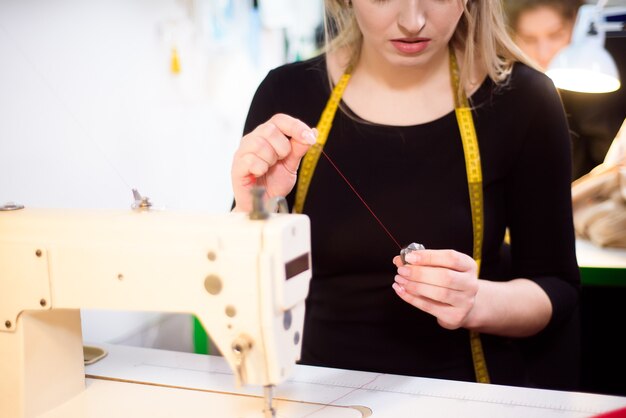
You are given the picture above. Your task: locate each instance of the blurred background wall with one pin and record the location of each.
(98, 97)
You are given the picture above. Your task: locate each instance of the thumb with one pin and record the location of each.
(299, 147)
(301, 138)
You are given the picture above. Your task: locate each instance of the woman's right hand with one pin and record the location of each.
(269, 156)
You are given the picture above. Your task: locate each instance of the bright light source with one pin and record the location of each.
(586, 68)
(585, 65)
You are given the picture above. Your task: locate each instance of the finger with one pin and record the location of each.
(260, 150)
(295, 129)
(302, 137)
(440, 294)
(427, 305)
(266, 142)
(275, 139)
(447, 316)
(436, 276)
(247, 164)
(289, 137)
(449, 259)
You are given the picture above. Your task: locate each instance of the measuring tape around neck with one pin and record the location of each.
(309, 161)
(475, 189)
(472, 164)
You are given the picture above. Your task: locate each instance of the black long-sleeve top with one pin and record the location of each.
(414, 179)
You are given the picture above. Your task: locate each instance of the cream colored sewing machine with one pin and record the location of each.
(245, 279)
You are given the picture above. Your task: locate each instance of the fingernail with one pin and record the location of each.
(400, 280)
(404, 271)
(309, 137)
(397, 288)
(412, 257)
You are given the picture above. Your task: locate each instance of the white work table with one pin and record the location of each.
(590, 255)
(601, 266)
(134, 382)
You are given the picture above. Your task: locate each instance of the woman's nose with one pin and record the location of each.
(411, 16)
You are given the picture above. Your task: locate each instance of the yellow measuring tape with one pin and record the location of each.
(309, 161)
(475, 189)
(472, 164)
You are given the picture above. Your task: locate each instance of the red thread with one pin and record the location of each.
(362, 200)
(249, 179)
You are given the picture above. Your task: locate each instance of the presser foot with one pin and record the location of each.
(268, 411)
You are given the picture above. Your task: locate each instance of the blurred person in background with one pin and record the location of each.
(542, 28)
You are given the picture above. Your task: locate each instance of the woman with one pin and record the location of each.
(393, 171)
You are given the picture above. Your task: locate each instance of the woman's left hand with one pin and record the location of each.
(443, 283)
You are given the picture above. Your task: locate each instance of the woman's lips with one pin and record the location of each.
(410, 45)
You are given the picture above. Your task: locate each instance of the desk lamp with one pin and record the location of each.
(585, 65)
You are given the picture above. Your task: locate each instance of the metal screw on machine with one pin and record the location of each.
(259, 211)
(258, 208)
(240, 347)
(278, 204)
(10, 206)
(141, 202)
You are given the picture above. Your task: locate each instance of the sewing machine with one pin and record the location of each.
(244, 276)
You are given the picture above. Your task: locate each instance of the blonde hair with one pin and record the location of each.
(481, 33)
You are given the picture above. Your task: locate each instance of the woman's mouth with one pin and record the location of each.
(410, 45)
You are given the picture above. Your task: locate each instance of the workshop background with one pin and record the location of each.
(99, 97)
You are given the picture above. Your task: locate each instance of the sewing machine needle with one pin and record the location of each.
(269, 410)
